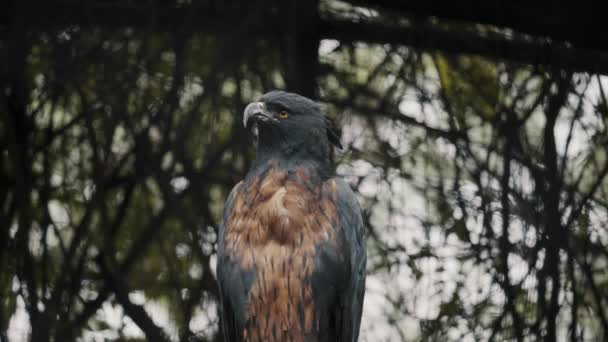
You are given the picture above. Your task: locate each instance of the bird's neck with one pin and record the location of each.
(318, 169)
(291, 157)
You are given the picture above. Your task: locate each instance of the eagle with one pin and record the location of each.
(291, 247)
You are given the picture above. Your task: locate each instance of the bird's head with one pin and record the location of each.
(291, 127)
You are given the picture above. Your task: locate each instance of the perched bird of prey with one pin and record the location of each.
(291, 248)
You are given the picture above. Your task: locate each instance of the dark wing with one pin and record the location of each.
(350, 215)
(233, 282)
(342, 267)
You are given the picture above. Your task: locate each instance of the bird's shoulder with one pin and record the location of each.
(349, 209)
(349, 243)
(228, 207)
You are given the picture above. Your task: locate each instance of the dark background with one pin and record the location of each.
(475, 135)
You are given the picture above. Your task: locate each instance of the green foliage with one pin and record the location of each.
(470, 85)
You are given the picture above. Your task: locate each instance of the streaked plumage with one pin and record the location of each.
(291, 249)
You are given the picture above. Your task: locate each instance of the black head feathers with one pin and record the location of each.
(291, 127)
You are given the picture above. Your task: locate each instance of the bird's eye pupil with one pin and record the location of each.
(283, 115)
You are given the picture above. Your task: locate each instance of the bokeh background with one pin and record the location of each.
(475, 136)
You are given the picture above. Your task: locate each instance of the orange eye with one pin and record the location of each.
(283, 115)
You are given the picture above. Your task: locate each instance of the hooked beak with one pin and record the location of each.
(256, 111)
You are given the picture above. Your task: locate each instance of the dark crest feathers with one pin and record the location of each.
(333, 133)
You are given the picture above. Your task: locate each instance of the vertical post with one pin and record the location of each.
(301, 46)
(554, 229)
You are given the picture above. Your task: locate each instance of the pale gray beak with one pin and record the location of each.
(257, 110)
